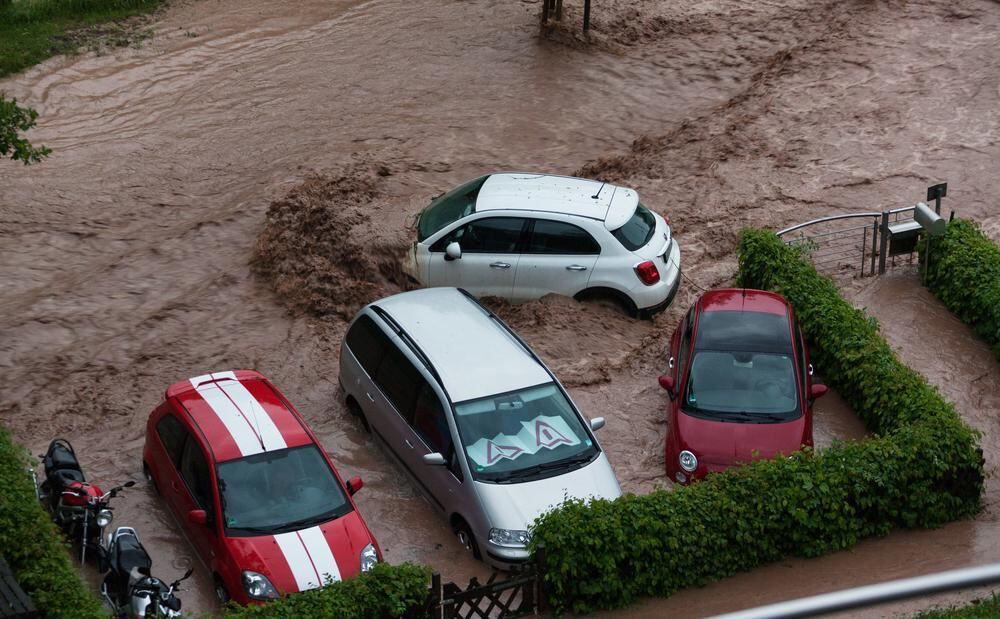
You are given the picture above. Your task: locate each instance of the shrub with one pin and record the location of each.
(386, 591)
(922, 469)
(964, 272)
(32, 544)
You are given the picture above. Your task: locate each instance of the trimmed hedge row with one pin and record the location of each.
(386, 591)
(964, 272)
(922, 469)
(32, 544)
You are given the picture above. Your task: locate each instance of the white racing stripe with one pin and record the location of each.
(241, 431)
(309, 557)
(254, 413)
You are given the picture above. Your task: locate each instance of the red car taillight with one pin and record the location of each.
(647, 272)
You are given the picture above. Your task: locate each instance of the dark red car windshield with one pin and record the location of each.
(742, 369)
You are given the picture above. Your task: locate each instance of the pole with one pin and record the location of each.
(545, 11)
(586, 16)
(883, 242)
(927, 256)
(871, 271)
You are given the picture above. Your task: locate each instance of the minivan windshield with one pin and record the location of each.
(279, 491)
(638, 230)
(449, 207)
(526, 434)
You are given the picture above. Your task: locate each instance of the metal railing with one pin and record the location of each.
(832, 245)
(872, 595)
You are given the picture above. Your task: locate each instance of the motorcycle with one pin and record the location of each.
(81, 509)
(129, 587)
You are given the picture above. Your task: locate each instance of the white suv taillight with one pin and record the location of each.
(647, 272)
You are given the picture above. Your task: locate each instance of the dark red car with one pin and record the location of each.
(253, 490)
(740, 384)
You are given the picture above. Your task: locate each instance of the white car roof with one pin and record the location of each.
(474, 355)
(567, 195)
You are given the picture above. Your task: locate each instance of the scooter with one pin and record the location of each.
(81, 509)
(129, 588)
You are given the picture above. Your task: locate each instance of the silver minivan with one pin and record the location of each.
(485, 430)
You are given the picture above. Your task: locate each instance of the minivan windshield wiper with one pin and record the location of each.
(531, 471)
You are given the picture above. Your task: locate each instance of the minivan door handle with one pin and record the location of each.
(370, 397)
(576, 267)
(499, 265)
(408, 443)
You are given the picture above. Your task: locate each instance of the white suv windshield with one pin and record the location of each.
(449, 207)
(279, 491)
(522, 435)
(637, 231)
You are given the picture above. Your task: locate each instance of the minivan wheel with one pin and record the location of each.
(355, 409)
(465, 537)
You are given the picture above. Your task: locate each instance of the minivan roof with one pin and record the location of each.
(558, 194)
(473, 354)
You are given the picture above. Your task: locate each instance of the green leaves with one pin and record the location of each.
(921, 469)
(13, 119)
(964, 272)
(32, 544)
(386, 591)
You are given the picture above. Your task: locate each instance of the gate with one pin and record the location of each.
(516, 597)
(848, 244)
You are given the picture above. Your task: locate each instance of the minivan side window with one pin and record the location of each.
(399, 381)
(429, 421)
(368, 343)
(172, 434)
(556, 237)
(194, 471)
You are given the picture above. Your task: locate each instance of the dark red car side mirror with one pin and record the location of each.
(197, 516)
(817, 390)
(354, 484)
(667, 382)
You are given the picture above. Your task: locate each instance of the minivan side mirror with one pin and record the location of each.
(453, 251)
(817, 390)
(596, 423)
(667, 382)
(435, 458)
(197, 516)
(354, 484)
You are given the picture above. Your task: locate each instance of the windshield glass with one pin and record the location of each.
(279, 491)
(525, 434)
(742, 386)
(449, 207)
(637, 230)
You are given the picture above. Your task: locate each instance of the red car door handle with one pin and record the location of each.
(174, 485)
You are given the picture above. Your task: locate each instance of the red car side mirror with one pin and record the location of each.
(667, 382)
(354, 484)
(816, 391)
(197, 516)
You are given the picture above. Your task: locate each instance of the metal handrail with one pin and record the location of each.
(825, 219)
(873, 594)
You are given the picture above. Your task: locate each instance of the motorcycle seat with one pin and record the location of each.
(131, 556)
(60, 456)
(63, 477)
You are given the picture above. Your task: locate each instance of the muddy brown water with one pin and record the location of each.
(124, 257)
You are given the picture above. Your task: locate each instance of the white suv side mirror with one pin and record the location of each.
(453, 251)
(596, 423)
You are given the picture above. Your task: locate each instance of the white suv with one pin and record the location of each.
(521, 236)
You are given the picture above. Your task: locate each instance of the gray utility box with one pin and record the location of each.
(903, 235)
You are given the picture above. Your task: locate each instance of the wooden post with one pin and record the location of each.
(586, 15)
(559, 10)
(545, 11)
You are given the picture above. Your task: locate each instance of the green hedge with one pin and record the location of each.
(988, 608)
(922, 469)
(964, 272)
(33, 546)
(386, 591)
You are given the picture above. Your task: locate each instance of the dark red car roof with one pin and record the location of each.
(743, 299)
(240, 413)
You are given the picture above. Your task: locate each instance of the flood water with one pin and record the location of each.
(125, 256)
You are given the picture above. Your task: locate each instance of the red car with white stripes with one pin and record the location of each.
(252, 488)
